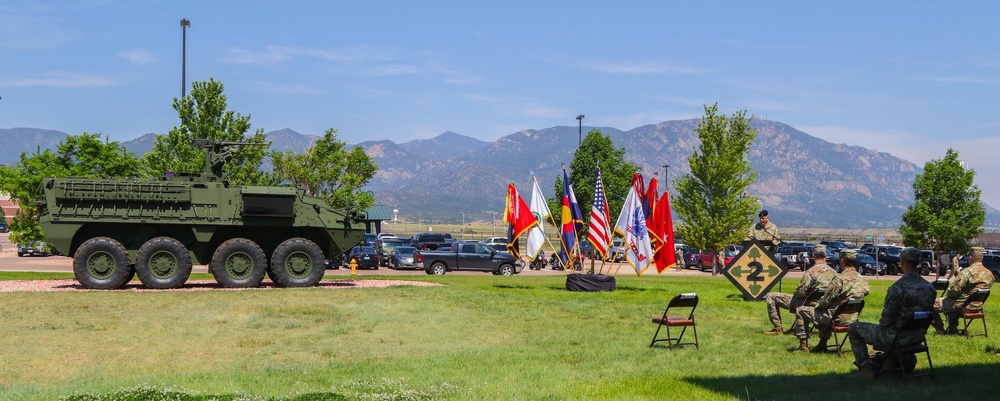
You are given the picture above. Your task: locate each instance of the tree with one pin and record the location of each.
(329, 170)
(597, 149)
(946, 211)
(712, 203)
(203, 115)
(85, 155)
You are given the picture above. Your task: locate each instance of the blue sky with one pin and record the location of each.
(908, 78)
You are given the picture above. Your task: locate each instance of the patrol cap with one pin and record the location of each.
(819, 251)
(910, 254)
(849, 254)
(762, 213)
(977, 251)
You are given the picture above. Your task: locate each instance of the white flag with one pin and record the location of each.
(539, 208)
(632, 225)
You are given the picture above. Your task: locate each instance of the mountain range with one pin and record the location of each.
(803, 181)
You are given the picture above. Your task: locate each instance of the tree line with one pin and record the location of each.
(712, 202)
(327, 169)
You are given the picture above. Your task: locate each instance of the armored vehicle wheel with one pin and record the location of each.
(298, 262)
(163, 262)
(102, 263)
(239, 263)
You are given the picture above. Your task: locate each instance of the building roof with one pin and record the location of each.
(379, 212)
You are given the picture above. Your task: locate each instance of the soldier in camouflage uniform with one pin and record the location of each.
(911, 293)
(765, 231)
(970, 278)
(848, 284)
(818, 276)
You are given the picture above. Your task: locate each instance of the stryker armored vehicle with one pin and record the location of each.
(156, 229)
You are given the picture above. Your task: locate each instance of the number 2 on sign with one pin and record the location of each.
(755, 273)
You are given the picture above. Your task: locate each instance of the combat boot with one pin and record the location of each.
(803, 346)
(776, 331)
(821, 347)
(866, 371)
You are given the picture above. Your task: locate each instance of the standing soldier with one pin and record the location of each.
(972, 277)
(849, 284)
(819, 276)
(765, 231)
(680, 259)
(911, 293)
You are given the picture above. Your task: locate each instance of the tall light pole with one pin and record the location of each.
(185, 24)
(666, 174)
(580, 119)
(463, 222)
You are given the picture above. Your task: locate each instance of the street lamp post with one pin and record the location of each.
(185, 24)
(580, 119)
(666, 176)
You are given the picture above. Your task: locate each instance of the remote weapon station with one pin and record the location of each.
(116, 229)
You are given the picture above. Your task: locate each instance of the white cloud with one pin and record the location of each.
(637, 68)
(979, 153)
(290, 89)
(61, 80)
(392, 70)
(272, 54)
(29, 33)
(139, 57)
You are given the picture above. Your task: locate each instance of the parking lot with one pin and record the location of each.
(9, 261)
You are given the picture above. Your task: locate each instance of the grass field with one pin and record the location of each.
(476, 338)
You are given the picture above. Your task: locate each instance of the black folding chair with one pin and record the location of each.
(680, 301)
(942, 285)
(977, 295)
(898, 353)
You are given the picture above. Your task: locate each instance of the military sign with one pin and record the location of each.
(754, 271)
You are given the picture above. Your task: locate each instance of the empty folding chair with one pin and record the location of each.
(687, 303)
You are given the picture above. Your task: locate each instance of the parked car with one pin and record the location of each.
(498, 243)
(706, 260)
(3, 227)
(835, 245)
(431, 241)
(691, 257)
(866, 264)
(401, 257)
(33, 248)
(992, 262)
(614, 255)
(788, 254)
(386, 235)
(468, 256)
(365, 256)
(888, 254)
(371, 239)
(385, 247)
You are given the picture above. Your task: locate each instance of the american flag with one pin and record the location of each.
(599, 232)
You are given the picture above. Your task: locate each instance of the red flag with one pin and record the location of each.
(519, 215)
(664, 256)
(648, 207)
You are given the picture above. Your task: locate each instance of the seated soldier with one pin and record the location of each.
(911, 293)
(849, 284)
(972, 277)
(818, 276)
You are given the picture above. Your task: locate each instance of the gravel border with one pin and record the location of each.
(68, 285)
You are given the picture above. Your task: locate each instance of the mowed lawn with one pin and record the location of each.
(475, 338)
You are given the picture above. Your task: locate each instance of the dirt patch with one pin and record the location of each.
(195, 285)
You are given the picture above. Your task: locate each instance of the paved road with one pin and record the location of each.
(9, 261)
